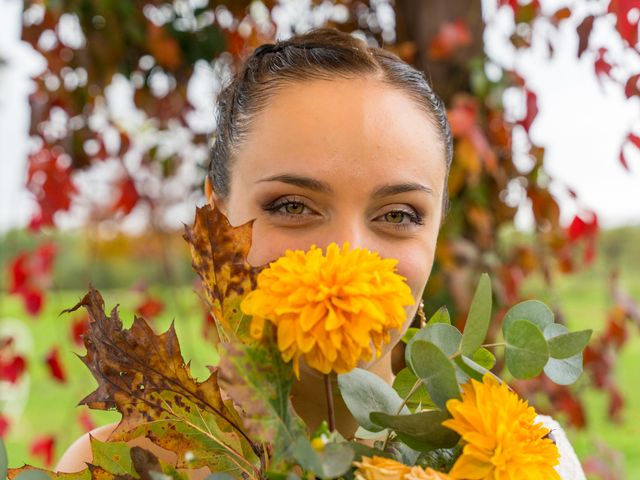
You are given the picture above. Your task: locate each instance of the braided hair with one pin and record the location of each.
(319, 54)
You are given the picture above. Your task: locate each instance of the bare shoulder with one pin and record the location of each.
(77, 456)
(79, 453)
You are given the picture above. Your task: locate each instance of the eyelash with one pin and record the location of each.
(274, 208)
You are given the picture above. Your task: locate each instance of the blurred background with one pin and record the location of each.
(106, 113)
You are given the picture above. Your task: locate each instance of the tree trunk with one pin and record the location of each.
(419, 21)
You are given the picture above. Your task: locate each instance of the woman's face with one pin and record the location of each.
(343, 160)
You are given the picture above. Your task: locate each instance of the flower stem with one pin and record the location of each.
(499, 344)
(330, 407)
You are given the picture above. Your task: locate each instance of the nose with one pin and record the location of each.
(350, 228)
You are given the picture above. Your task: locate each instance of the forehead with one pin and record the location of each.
(355, 128)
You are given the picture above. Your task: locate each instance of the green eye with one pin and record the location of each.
(394, 217)
(294, 208)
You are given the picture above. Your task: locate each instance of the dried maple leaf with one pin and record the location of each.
(219, 252)
(144, 376)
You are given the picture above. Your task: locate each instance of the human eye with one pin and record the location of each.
(400, 218)
(289, 208)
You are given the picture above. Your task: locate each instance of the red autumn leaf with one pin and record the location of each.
(79, 327)
(584, 32)
(12, 368)
(150, 308)
(580, 228)
(602, 66)
(43, 447)
(85, 421)
(30, 274)
(164, 48)
(55, 366)
(450, 37)
(616, 404)
(561, 15)
(532, 110)
(572, 406)
(128, 197)
(632, 86)
(49, 179)
(4, 426)
(626, 23)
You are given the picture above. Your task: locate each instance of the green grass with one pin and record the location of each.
(51, 409)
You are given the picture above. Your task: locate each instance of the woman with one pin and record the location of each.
(323, 139)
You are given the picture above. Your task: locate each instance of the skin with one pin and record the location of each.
(352, 137)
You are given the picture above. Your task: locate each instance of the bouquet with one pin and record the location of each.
(446, 416)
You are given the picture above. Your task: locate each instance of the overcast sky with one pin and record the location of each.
(581, 123)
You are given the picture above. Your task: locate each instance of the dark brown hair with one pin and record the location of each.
(319, 54)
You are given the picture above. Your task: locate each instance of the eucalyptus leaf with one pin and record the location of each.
(527, 351)
(484, 358)
(33, 475)
(435, 370)
(404, 382)
(568, 344)
(364, 392)
(533, 310)
(336, 459)
(421, 431)
(565, 371)
(446, 337)
(475, 330)
(408, 335)
(4, 460)
(470, 368)
(441, 316)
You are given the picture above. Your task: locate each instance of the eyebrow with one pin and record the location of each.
(299, 181)
(397, 188)
(323, 187)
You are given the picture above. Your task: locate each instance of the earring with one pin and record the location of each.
(421, 315)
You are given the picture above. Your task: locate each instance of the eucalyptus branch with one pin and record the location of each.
(413, 390)
(498, 344)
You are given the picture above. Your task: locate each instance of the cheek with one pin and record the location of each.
(268, 244)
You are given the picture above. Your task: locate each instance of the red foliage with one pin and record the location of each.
(150, 308)
(4, 426)
(43, 447)
(627, 28)
(532, 110)
(450, 37)
(49, 179)
(79, 327)
(85, 421)
(127, 198)
(55, 366)
(587, 231)
(30, 275)
(584, 32)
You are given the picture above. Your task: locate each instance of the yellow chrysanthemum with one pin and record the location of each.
(380, 468)
(502, 440)
(332, 310)
(418, 473)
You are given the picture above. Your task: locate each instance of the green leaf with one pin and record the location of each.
(114, 457)
(568, 344)
(484, 358)
(364, 392)
(479, 317)
(470, 368)
(33, 475)
(4, 460)
(441, 316)
(435, 370)
(421, 431)
(336, 459)
(567, 370)
(218, 476)
(408, 335)
(533, 310)
(404, 382)
(446, 337)
(527, 350)
(441, 459)
(256, 377)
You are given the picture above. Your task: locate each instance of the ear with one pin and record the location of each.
(213, 199)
